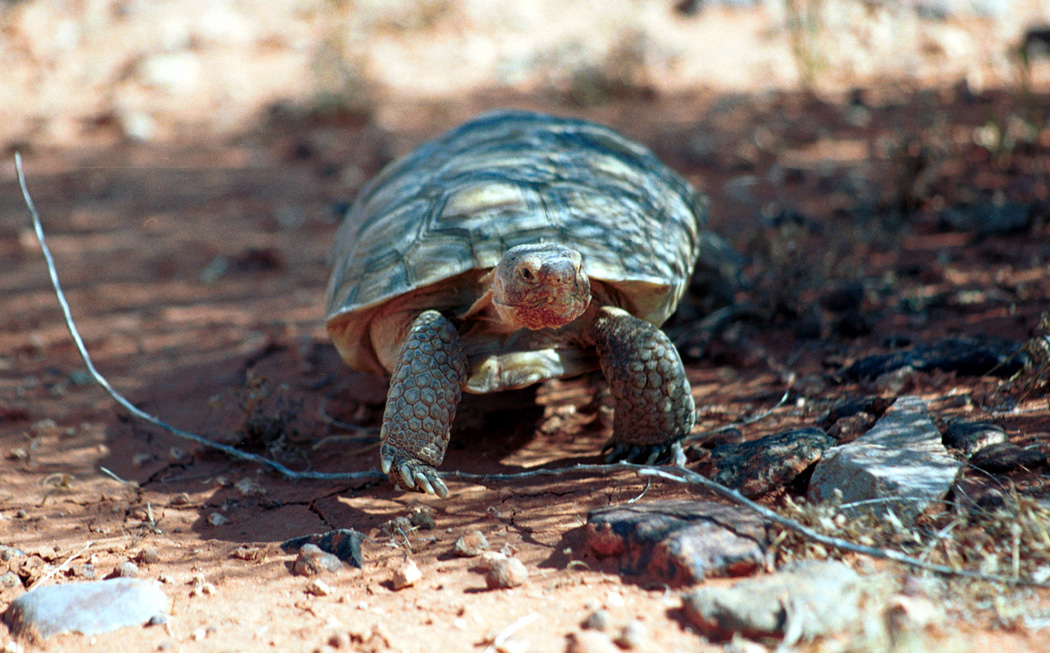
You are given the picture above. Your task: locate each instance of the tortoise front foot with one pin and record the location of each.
(409, 473)
(642, 454)
(421, 403)
(654, 407)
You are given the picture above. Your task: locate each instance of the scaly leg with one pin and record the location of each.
(654, 406)
(421, 403)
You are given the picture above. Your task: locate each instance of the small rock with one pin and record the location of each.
(472, 544)
(812, 598)
(344, 543)
(89, 608)
(897, 381)
(678, 542)
(248, 553)
(971, 437)
(9, 579)
(87, 571)
(147, 556)
(421, 516)
(313, 561)
(597, 620)
(405, 575)
(633, 635)
(318, 587)
(8, 553)
(1007, 457)
(758, 467)
(399, 526)
(590, 641)
(502, 572)
(216, 519)
(850, 428)
(126, 569)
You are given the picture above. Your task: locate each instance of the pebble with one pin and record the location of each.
(597, 620)
(632, 635)
(472, 544)
(405, 575)
(216, 519)
(312, 561)
(344, 543)
(147, 556)
(89, 607)
(971, 437)
(126, 569)
(502, 572)
(318, 587)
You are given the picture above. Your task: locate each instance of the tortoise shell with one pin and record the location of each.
(430, 225)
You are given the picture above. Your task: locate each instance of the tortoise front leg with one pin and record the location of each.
(421, 403)
(654, 406)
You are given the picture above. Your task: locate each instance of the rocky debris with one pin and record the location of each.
(632, 635)
(421, 516)
(147, 556)
(590, 641)
(1006, 457)
(971, 437)
(248, 553)
(872, 406)
(344, 543)
(597, 620)
(801, 603)
(964, 356)
(502, 571)
(8, 553)
(405, 575)
(901, 459)
(318, 587)
(313, 561)
(758, 467)
(470, 545)
(89, 608)
(126, 569)
(678, 542)
(9, 579)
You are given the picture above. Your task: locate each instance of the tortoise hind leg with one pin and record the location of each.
(421, 403)
(654, 406)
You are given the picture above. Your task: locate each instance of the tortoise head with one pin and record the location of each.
(540, 286)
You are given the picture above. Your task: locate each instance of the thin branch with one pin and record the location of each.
(372, 474)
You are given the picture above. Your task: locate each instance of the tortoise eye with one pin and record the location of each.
(526, 273)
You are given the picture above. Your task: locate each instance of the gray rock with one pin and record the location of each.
(758, 467)
(89, 608)
(803, 602)
(901, 459)
(678, 542)
(964, 356)
(971, 437)
(597, 620)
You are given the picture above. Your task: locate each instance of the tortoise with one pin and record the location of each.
(516, 248)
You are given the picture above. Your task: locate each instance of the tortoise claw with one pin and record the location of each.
(410, 474)
(642, 454)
